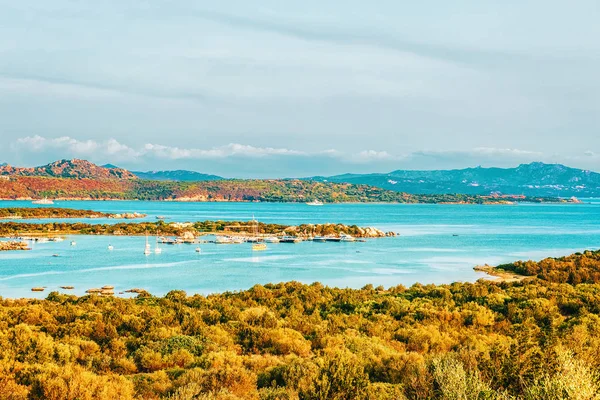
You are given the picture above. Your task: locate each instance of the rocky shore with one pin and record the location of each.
(305, 231)
(8, 246)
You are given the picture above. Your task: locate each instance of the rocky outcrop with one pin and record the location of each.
(133, 215)
(7, 246)
(309, 230)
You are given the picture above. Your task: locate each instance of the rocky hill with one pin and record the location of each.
(534, 179)
(75, 168)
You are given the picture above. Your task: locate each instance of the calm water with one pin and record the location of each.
(426, 251)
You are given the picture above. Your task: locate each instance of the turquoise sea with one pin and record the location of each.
(426, 251)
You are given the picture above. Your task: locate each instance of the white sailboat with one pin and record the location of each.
(147, 248)
(259, 245)
(157, 250)
(110, 247)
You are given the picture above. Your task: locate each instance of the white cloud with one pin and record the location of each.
(231, 159)
(67, 146)
(230, 150)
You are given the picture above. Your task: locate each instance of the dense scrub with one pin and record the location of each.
(49, 212)
(530, 340)
(272, 190)
(573, 269)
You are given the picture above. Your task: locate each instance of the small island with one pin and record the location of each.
(56, 212)
(189, 229)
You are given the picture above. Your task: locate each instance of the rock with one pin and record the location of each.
(8, 246)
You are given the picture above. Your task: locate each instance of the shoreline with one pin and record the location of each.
(497, 275)
(484, 203)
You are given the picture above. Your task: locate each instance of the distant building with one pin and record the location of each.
(5, 177)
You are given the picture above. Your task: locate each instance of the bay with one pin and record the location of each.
(437, 244)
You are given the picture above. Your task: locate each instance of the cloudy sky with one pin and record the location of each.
(280, 88)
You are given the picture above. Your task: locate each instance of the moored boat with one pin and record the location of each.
(314, 203)
(259, 247)
(44, 201)
(347, 238)
(290, 239)
(147, 248)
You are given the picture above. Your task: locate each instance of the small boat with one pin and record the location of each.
(56, 239)
(198, 250)
(161, 217)
(55, 255)
(44, 201)
(157, 250)
(314, 203)
(223, 240)
(259, 247)
(257, 242)
(73, 243)
(319, 239)
(347, 238)
(272, 239)
(67, 287)
(290, 239)
(455, 235)
(147, 248)
(110, 247)
(333, 239)
(42, 240)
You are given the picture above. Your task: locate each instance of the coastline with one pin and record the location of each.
(497, 275)
(184, 200)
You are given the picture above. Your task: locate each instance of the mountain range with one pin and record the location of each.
(177, 175)
(535, 179)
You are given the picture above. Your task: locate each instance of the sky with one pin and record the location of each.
(278, 88)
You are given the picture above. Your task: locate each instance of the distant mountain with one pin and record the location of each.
(69, 169)
(178, 175)
(534, 179)
(110, 166)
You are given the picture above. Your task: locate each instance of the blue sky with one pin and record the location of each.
(282, 88)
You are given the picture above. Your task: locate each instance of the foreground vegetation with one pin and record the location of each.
(272, 190)
(535, 339)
